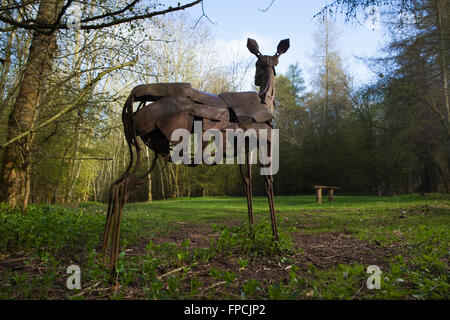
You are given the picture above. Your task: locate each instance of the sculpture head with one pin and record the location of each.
(265, 65)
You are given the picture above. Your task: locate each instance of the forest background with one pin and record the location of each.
(64, 89)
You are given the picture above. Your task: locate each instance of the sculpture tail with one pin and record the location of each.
(130, 132)
(123, 187)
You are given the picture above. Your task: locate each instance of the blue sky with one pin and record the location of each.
(235, 20)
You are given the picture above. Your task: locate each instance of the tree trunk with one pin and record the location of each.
(410, 181)
(169, 185)
(17, 156)
(440, 7)
(442, 58)
(174, 185)
(5, 67)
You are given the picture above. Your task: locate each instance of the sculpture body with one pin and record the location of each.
(165, 107)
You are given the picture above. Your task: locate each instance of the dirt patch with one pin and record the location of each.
(329, 249)
(323, 250)
(199, 235)
(418, 210)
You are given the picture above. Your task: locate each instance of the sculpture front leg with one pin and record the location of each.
(247, 179)
(273, 218)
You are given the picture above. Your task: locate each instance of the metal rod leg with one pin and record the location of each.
(247, 189)
(269, 190)
(107, 232)
(250, 194)
(116, 209)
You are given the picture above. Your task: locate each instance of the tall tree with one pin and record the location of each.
(328, 104)
(291, 120)
(15, 174)
(16, 166)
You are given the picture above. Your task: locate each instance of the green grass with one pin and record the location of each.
(408, 236)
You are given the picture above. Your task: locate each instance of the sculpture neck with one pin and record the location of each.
(267, 92)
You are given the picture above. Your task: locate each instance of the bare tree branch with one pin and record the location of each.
(203, 15)
(77, 159)
(266, 9)
(129, 6)
(71, 106)
(45, 27)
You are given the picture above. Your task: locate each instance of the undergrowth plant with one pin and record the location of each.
(37, 247)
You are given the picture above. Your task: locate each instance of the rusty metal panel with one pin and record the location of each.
(178, 121)
(257, 126)
(206, 99)
(247, 104)
(259, 112)
(146, 118)
(221, 125)
(211, 112)
(240, 98)
(155, 91)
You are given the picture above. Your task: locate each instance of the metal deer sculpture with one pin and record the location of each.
(173, 106)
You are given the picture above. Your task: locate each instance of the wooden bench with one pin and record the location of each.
(330, 192)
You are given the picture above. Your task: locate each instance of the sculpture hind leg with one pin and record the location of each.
(109, 215)
(116, 202)
(247, 179)
(119, 201)
(119, 193)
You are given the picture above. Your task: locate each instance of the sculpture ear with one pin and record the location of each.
(283, 46)
(253, 46)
